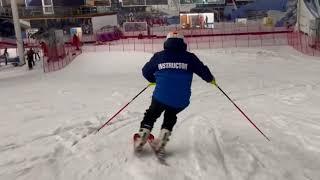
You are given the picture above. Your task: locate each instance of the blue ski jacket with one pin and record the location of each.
(172, 70)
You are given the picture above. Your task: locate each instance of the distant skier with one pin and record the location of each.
(44, 48)
(172, 70)
(76, 42)
(30, 58)
(37, 54)
(6, 55)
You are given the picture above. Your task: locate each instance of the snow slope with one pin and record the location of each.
(46, 119)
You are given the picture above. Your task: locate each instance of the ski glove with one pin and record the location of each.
(152, 84)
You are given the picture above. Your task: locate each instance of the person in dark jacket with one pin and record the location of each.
(172, 71)
(30, 58)
(6, 55)
(37, 54)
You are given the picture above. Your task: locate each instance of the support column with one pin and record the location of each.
(17, 30)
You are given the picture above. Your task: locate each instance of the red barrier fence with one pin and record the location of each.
(57, 63)
(199, 41)
(223, 36)
(7, 43)
(223, 28)
(233, 36)
(304, 43)
(219, 28)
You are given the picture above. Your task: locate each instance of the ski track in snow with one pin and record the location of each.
(202, 154)
(49, 133)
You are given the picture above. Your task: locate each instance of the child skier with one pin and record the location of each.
(172, 70)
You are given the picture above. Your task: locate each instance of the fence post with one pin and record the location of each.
(197, 43)
(43, 65)
(60, 62)
(213, 39)
(307, 44)
(50, 65)
(62, 58)
(222, 37)
(64, 62)
(55, 65)
(248, 36)
(273, 35)
(289, 39)
(300, 41)
(235, 30)
(304, 41)
(294, 40)
(122, 45)
(260, 35)
(69, 57)
(152, 44)
(235, 40)
(315, 46)
(134, 44)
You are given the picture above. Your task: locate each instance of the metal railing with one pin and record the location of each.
(56, 11)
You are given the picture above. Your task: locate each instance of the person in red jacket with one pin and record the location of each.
(76, 42)
(44, 48)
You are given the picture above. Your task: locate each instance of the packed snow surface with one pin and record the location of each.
(47, 120)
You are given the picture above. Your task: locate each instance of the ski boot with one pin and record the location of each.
(140, 139)
(160, 143)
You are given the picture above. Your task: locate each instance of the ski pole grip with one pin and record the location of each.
(213, 82)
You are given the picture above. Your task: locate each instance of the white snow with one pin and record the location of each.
(45, 120)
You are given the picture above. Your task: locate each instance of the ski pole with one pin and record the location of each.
(151, 84)
(242, 112)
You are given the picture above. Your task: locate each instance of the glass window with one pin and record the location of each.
(102, 2)
(134, 2)
(47, 2)
(47, 7)
(33, 2)
(202, 1)
(157, 2)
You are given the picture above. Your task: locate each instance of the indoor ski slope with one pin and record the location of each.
(45, 120)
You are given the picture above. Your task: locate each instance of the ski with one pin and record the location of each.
(139, 151)
(160, 157)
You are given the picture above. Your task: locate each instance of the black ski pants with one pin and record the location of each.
(154, 112)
